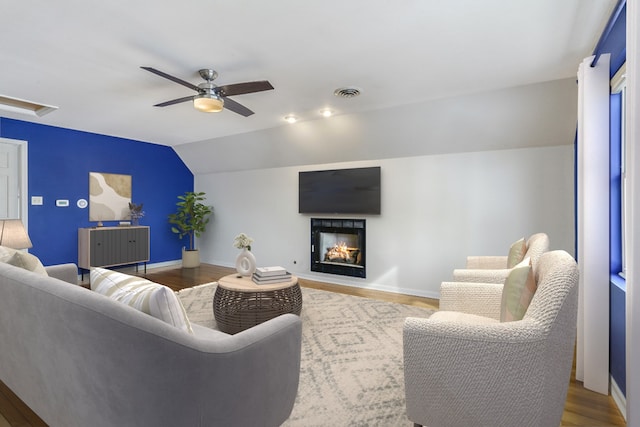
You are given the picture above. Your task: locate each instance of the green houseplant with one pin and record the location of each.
(190, 219)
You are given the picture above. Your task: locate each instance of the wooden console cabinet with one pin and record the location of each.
(111, 246)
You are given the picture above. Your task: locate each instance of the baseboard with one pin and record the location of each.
(619, 398)
(132, 268)
(162, 264)
(335, 280)
(370, 286)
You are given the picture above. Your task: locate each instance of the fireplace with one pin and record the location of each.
(338, 246)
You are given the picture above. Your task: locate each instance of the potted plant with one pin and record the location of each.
(135, 212)
(190, 219)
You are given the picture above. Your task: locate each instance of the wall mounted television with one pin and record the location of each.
(340, 191)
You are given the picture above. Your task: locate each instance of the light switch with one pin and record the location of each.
(36, 200)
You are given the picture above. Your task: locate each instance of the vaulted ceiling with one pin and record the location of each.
(85, 57)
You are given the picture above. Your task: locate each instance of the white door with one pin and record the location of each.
(10, 176)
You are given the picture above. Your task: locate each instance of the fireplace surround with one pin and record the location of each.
(338, 246)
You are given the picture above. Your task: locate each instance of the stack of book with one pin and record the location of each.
(268, 275)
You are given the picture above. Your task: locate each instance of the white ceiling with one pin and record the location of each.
(85, 56)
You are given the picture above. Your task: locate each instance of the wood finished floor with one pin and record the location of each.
(582, 408)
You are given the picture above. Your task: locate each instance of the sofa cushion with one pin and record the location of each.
(151, 298)
(516, 253)
(22, 259)
(517, 292)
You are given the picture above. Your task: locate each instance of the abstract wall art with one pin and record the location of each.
(109, 196)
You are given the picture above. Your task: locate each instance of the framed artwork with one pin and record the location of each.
(109, 196)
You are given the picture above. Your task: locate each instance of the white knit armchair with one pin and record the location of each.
(493, 269)
(462, 369)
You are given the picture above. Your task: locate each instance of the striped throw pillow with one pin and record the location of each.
(151, 298)
(517, 252)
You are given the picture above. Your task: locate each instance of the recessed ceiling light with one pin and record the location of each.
(347, 92)
(17, 105)
(326, 112)
(291, 118)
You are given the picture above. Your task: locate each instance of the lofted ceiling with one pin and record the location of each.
(84, 57)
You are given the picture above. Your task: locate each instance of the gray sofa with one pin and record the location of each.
(78, 358)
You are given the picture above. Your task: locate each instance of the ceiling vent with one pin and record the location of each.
(347, 92)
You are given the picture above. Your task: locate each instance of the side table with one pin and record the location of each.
(239, 303)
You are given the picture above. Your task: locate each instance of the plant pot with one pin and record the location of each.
(190, 258)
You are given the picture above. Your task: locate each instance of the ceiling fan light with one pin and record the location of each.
(208, 103)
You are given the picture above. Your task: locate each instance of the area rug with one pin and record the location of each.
(351, 366)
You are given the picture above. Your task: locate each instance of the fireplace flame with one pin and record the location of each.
(340, 253)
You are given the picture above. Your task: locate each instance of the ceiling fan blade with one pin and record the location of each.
(173, 79)
(175, 101)
(232, 105)
(242, 88)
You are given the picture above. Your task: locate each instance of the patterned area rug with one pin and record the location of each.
(351, 367)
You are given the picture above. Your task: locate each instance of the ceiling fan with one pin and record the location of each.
(211, 98)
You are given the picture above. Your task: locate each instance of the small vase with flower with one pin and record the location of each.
(246, 261)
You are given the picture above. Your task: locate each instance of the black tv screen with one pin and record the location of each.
(340, 191)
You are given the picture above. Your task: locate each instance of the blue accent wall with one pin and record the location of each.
(615, 42)
(59, 164)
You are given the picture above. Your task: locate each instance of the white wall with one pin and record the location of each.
(535, 115)
(436, 210)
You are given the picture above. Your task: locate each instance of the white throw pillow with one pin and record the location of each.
(22, 259)
(151, 298)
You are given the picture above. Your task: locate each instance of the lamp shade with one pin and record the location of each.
(13, 235)
(208, 102)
